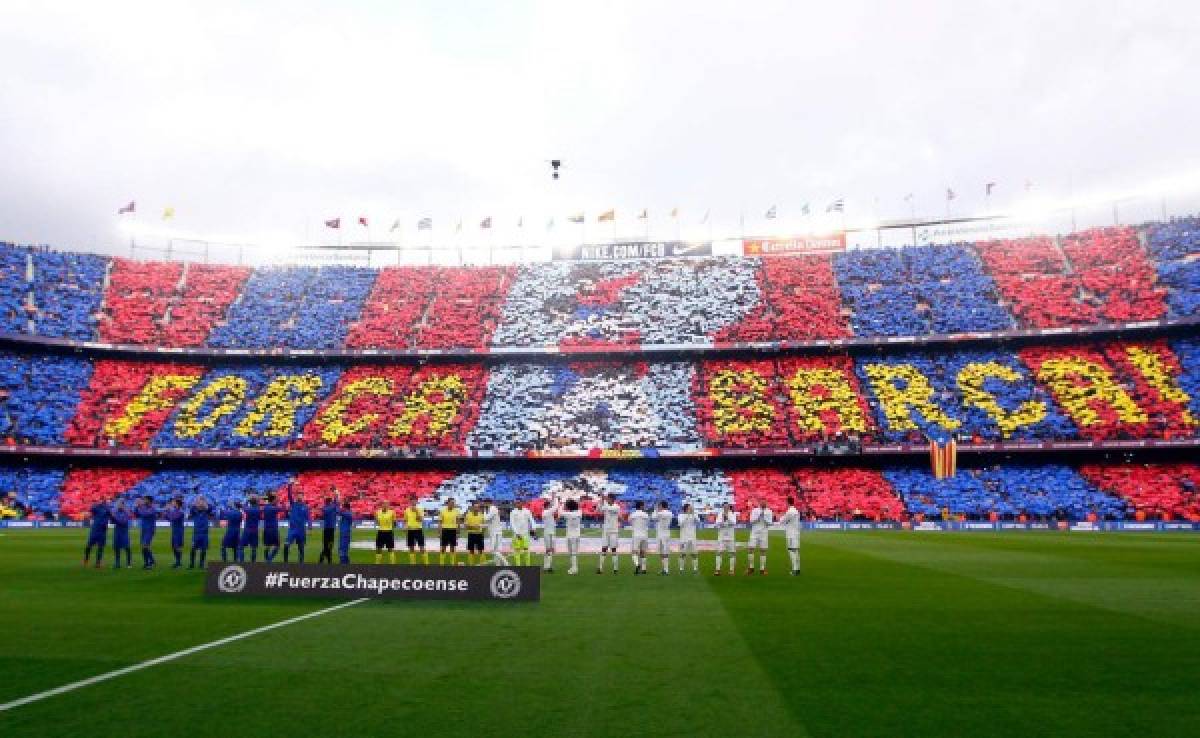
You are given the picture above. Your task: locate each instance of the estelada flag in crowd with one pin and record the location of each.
(943, 457)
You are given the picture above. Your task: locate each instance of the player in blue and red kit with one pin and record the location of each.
(175, 516)
(298, 520)
(147, 515)
(233, 528)
(270, 518)
(202, 517)
(120, 519)
(97, 533)
(250, 530)
(345, 532)
(329, 515)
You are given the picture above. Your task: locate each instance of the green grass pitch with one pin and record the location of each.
(885, 634)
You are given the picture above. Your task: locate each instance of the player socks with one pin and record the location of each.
(762, 562)
(795, 557)
(391, 557)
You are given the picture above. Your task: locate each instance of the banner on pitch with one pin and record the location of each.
(633, 250)
(798, 245)
(397, 582)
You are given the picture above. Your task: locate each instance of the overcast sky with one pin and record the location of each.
(259, 120)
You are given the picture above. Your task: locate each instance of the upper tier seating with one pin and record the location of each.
(1098, 276)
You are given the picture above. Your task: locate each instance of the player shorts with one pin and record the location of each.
(610, 539)
(97, 539)
(726, 543)
(639, 543)
(496, 540)
(687, 545)
(200, 543)
(177, 538)
(449, 537)
(664, 545)
(250, 538)
(572, 545)
(385, 539)
(295, 535)
(793, 541)
(147, 537)
(271, 537)
(416, 538)
(758, 539)
(548, 541)
(475, 542)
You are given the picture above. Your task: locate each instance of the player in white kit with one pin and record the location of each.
(549, 528)
(726, 542)
(573, 517)
(687, 537)
(495, 533)
(791, 528)
(761, 518)
(521, 522)
(662, 535)
(639, 521)
(610, 532)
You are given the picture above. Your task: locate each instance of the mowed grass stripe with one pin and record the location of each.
(601, 655)
(1117, 572)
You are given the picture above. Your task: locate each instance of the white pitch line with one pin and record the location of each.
(171, 657)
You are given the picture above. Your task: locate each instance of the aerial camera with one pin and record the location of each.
(554, 165)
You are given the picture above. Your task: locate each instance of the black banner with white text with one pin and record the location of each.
(505, 583)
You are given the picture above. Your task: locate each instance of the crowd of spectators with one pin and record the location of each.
(1102, 275)
(919, 290)
(1028, 492)
(1061, 391)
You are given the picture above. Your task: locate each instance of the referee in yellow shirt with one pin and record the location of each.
(474, 524)
(385, 533)
(450, 518)
(414, 524)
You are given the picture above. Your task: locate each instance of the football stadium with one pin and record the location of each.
(511, 414)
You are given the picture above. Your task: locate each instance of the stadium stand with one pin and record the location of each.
(1093, 277)
(1008, 492)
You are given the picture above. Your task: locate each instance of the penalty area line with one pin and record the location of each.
(173, 656)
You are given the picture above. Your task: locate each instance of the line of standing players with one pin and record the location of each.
(243, 524)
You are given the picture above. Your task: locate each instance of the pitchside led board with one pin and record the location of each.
(495, 583)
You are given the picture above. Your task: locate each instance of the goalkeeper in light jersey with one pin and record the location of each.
(495, 533)
(639, 521)
(726, 537)
(791, 528)
(574, 519)
(610, 533)
(549, 528)
(687, 538)
(761, 518)
(662, 535)
(521, 522)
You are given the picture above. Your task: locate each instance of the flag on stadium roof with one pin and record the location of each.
(908, 197)
(550, 224)
(771, 213)
(674, 212)
(395, 225)
(804, 210)
(424, 224)
(333, 223)
(576, 218)
(521, 221)
(950, 194)
(458, 226)
(486, 222)
(1028, 185)
(168, 212)
(987, 189)
(837, 206)
(607, 216)
(362, 221)
(705, 218)
(643, 215)
(130, 208)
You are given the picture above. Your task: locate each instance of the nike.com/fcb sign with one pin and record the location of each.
(633, 250)
(503, 583)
